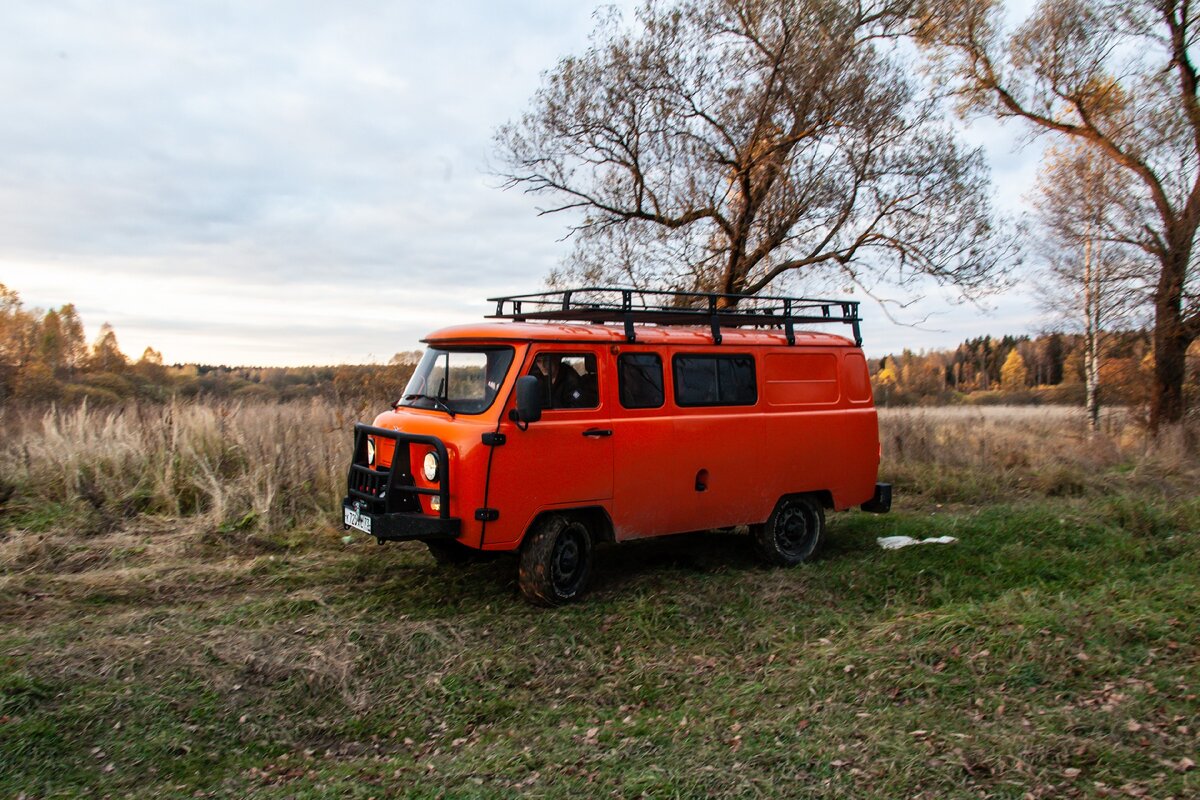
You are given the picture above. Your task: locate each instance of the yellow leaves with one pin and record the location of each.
(1103, 97)
(1014, 374)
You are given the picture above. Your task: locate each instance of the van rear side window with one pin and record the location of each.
(715, 380)
(640, 378)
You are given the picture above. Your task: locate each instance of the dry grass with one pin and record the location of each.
(253, 468)
(179, 617)
(963, 453)
(246, 466)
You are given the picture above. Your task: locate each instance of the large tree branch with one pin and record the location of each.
(1088, 131)
(540, 183)
(796, 263)
(1186, 70)
(770, 243)
(1181, 60)
(1191, 324)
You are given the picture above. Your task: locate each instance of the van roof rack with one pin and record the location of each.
(595, 304)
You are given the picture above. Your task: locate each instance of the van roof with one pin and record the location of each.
(646, 334)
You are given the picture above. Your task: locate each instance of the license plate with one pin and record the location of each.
(357, 520)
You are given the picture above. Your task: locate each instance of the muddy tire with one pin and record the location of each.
(556, 561)
(450, 552)
(792, 534)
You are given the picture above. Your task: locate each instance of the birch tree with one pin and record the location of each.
(1096, 281)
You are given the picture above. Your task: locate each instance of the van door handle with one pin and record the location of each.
(598, 432)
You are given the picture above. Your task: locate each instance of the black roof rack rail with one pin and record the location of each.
(596, 304)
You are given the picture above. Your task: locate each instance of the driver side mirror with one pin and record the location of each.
(529, 400)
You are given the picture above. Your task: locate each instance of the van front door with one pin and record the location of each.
(563, 460)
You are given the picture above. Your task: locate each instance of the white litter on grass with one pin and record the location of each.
(896, 542)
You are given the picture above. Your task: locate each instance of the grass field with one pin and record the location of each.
(208, 633)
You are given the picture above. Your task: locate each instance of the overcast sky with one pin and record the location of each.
(296, 182)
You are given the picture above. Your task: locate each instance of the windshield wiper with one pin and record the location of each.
(437, 401)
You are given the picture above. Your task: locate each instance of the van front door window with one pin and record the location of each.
(568, 380)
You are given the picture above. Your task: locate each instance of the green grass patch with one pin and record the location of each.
(1052, 650)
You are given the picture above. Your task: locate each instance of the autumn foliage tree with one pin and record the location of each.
(106, 355)
(1013, 373)
(37, 351)
(725, 145)
(1120, 77)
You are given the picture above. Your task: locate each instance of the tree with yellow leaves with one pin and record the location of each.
(1014, 375)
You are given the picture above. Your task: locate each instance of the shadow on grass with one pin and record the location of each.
(405, 579)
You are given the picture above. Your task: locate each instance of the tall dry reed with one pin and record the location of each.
(268, 466)
(260, 465)
(975, 452)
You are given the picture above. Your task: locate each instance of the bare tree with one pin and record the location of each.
(1121, 77)
(722, 145)
(1096, 280)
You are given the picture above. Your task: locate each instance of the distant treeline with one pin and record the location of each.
(44, 357)
(1047, 368)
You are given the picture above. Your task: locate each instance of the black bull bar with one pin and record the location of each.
(384, 502)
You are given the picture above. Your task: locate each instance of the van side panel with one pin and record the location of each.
(716, 449)
(675, 469)
(820, 427)
(835, 450)
(813, 428)
(685, 468)
(795, 380)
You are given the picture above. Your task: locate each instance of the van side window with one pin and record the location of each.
(640, 379)
(568, 380)
(715, 380)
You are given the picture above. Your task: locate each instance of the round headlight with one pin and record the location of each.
(431, 466)
(371, 450)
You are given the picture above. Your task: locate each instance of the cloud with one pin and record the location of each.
(274, 182)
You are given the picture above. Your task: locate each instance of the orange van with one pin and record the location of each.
(604, 415)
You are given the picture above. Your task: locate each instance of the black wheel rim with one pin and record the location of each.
(795, 531)
(568, 563)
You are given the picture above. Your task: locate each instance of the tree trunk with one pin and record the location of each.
(1091, 366)
(733, 281)
(1170, 340)
(1092, 374)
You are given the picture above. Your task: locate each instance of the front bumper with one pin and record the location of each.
(397, 526)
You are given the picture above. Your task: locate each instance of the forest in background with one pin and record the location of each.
(44, 357)
(1046, 368)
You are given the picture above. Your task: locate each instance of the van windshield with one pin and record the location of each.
(457, 380)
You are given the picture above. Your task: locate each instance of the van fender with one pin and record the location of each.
(596, 517)
(822, 496)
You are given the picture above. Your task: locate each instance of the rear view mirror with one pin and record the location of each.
(529, 399)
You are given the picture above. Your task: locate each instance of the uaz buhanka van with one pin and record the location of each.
(604, 415)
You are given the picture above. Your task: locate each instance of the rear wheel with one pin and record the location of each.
(793, 533)
(556, 561)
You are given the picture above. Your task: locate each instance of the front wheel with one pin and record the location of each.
(556, 561)
(793, 532)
